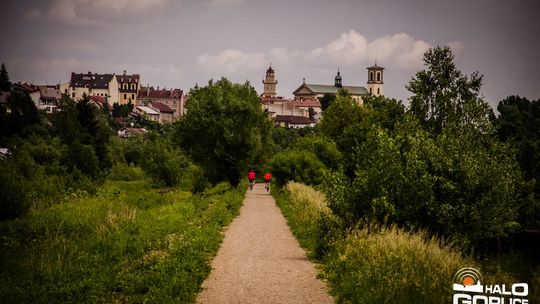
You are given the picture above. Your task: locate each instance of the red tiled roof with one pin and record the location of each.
(98, 100)
(297, 120)
(26, 86)
(161, 107)
(146, 92)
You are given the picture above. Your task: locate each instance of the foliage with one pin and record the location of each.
(21, 117)
(325, 150)
(297, 165)
(283, 138)
(461, 185)
(370, 263)
(519, 125)
(224, 131)
(128, 244)
(122, 110)
(5, 84)
(327, 100)
(125, 172)
(443, 96)
(163, 163)
(14, 200)
(380, 265)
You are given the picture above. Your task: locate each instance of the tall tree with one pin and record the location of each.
(443, 96)
(5, 84)
(224, 131)
(519, 125)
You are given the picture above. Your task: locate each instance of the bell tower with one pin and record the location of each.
(269, 83)
(375, 80)
(337, 80)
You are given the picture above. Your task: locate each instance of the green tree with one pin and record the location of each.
(297, 165)
(327, 100)
(324, 148)
(22, 114)
(519, 125)
(442, 95)
(225, 130)
(5, 84)
(95, 130)
(162, 163)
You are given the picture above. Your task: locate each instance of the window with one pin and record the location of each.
(378, 76)
(370, 90)
(73, 95)
(125, 96)
(132, 96)
(370, 76)
(378, 91)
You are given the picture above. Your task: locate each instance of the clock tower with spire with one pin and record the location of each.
(269, 83)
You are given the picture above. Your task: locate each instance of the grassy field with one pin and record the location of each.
(373, 264)
(127, 244)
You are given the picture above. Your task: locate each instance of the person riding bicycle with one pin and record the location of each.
(267, 180)
(251, 178)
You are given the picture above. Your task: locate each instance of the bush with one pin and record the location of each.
(371, 264)
(163, 164)
(124, 172)
(199, 182)
(299, 166)
(14, 200)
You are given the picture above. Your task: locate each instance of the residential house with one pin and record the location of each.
(49, 96)
(128, 86)
(166, 114)
(127, 132)
(172, 98)
(103, 85)
(147, 113)
(45, 97)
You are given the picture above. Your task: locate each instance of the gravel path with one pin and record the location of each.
(260, 261)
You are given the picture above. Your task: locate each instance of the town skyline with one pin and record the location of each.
(176, 44)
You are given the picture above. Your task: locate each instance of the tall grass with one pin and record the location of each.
(371, 264)
(127, 244)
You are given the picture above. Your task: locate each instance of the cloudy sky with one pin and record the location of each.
(177, 43)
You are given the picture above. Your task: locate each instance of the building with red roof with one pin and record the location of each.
(174, 99)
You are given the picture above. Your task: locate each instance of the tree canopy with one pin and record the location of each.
(225, 130)
(5, 84)
(443, 96)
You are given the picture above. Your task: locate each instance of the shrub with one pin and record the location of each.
(371, 264)
(124, 172)
(14, 200)
(163, 164)
(300, 166)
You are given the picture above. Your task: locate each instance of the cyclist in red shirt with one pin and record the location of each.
(251, 178)
(267, 180)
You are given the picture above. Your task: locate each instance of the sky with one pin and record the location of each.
(180, 43)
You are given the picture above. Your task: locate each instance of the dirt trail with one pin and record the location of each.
(260, 261)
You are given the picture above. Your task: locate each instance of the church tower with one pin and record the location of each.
(375, 80)
(337, 80)
(269, 83)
